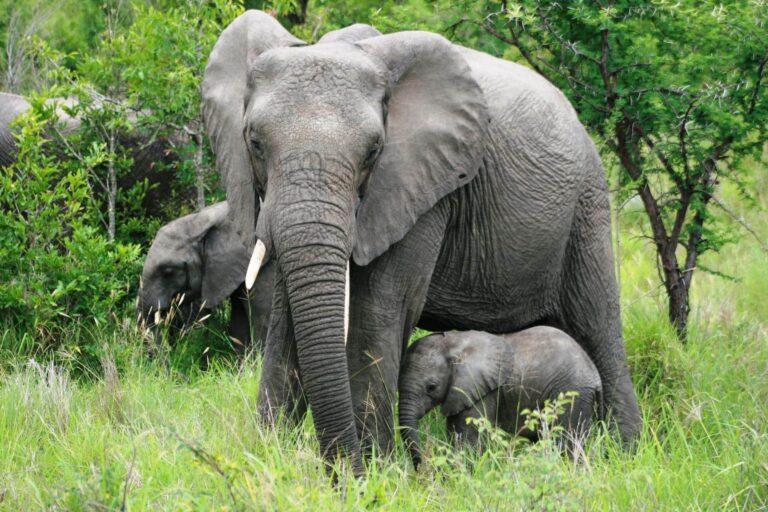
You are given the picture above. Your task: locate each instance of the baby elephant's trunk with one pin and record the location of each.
(409, 424)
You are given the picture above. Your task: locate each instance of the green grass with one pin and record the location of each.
(170, 436)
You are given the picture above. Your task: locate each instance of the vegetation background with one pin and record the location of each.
(93, 416)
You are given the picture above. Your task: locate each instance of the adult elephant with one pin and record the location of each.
(201, 258)
(147, 153)
(411, 179)
(11, 107)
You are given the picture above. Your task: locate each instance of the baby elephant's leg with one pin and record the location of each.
(577, 420)
(463, 428)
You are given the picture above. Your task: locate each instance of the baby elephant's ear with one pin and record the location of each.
(224, 255)
(480, 364)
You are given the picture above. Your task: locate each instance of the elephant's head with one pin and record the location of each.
(199, 256)
(348, 144)
(455, 369)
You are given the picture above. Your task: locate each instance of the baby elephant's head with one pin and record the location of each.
(455, 369)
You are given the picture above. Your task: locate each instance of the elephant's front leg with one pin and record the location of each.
(239, 324)
(463, 428)
(386, 302)
(280, 391)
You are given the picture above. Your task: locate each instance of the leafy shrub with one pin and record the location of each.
(55, 266)
(511, 472)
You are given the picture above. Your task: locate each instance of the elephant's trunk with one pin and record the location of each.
(410, 414)
(312, 241)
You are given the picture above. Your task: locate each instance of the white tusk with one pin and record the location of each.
(181, 300)
(255, 264)
(346, 304)
(158, 317)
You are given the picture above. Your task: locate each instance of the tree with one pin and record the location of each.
(676, 92)
(139, 86)
(98, 92)
(55, 265)
(22, 25)
(163, 58)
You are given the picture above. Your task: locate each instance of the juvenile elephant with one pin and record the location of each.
(474, 374)
(200, 257)
(406, 180)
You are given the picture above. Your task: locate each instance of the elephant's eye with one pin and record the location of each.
(257, 148)
(168, 271)
(431, 388)
(372, 154)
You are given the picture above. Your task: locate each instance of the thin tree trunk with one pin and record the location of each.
(677, 290)
(198, 135)
(112, 190)
(679, 308)
(617, 254)
(675, 283)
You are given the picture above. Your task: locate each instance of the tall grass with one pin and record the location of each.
(159, 433)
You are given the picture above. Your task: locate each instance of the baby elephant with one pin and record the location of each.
(474, 374)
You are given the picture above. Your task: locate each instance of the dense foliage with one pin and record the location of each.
(56, 265)
(81, 205)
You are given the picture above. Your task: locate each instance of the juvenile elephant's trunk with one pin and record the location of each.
(409, 415)
(313, 243)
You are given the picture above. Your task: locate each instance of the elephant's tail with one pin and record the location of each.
(600, 404)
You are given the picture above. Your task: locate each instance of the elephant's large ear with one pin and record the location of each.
(480, 363)
(224, 255)
(224, 91)
(436, 126)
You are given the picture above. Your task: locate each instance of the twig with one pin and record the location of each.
(741, 221)
(207, 459)
(127, 484)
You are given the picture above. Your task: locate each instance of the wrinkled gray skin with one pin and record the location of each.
(201, 257)
(11, 106)
(146, 153)
(474, 374)
(462, 187)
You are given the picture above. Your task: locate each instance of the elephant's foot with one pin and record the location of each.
(622, 411)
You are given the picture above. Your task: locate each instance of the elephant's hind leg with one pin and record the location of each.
(590, 307)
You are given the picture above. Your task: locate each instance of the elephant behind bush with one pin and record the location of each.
(153, 157)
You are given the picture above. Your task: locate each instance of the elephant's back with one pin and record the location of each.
(529, 110)
(11, 106)
(553, 356)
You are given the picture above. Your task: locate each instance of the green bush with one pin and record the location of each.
(55, 266)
